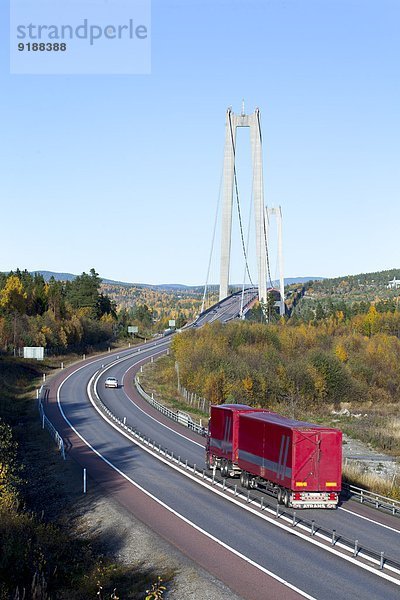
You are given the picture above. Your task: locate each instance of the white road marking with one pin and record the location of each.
(270, 520)
(141, 409)
(368, 519)
(248, 508)
(190, 440)
(171, 510)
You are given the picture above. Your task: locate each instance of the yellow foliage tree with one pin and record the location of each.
(12, 296)
(13, 300)
(341, 353)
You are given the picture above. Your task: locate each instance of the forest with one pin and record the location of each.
(60, 316)
(302, 369)
(78, 315)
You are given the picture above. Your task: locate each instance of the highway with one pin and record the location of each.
(248, 553)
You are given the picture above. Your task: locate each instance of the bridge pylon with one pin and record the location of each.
(233, 121)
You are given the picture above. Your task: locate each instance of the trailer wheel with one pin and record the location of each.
(242, 478)
(286, 498)
(279, 496)
(247, 481)
(224, 468)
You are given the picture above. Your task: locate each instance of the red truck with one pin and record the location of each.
(222, 439)
(300, 463)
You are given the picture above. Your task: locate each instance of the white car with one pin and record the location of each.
(111, 382)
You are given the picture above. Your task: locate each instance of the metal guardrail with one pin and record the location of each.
(261, 502)
(367, 497)
(360, 494)
(178, 416)
(331, 536)
(43, 394)
(348, 490)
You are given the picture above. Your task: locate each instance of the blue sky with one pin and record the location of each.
(121, 172)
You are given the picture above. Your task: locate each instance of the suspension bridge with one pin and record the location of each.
(230, 195)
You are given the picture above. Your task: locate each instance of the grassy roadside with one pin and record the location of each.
(380, 428)
(44, 553)
(160, 379)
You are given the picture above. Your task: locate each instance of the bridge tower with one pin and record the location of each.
(277, 213)
(229, 180)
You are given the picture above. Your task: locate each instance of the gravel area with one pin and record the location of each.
(372, 461)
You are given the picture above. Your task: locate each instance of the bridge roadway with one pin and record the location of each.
(315, 571)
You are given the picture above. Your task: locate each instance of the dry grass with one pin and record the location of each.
(355, 475)
(378, 426)
(160, 379)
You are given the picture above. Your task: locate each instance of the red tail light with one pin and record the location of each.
(297, 496)
(332, 496)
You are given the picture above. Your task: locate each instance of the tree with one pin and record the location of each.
(83, 291)
(271, 308)
(12, 296)
(319, 312)
(337, 382)
(143, 315)
(13, 300)
(104, 306)
(56, 298)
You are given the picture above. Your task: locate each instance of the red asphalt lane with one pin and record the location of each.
(242, 577)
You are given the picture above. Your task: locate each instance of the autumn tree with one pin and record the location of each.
(13, 301)
(56, 298)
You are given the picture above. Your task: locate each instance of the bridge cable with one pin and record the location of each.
(244, 271)
(238, 202)
(248, 234)
(267, 254)
(265, 226)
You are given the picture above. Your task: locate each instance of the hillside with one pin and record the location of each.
(351, 294)
(365, 286)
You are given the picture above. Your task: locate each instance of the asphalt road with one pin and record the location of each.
(235, 545)
(373, 530)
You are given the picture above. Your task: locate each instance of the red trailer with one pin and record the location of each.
(300, 462)
(222, 439)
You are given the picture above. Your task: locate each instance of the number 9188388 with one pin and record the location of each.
(42, 47)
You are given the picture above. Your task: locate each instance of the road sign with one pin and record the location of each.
(171, 322)
(34, 352)
(132, 329)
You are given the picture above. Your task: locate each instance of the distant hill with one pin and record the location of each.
(163, 286)
(57, 276)
(364, 287)
(291, 280)
(375, 281)
(166, 286)
(70, 277)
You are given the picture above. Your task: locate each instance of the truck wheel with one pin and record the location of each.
(279, 496)
(242, 478)
(247, 481)
(208, 464)
(224, 469)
